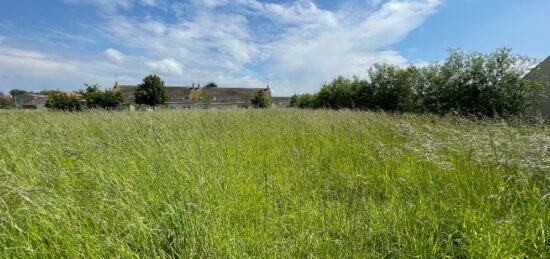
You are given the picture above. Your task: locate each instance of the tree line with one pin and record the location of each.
(466, 83)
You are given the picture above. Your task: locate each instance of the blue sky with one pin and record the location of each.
(293, 45)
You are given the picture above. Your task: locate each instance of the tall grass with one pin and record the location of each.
(271, 183)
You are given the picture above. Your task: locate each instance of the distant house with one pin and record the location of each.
(38, 101)
(195, 97)
(280, 102)
(32, 101)
(541, 73)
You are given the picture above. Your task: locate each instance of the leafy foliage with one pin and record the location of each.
(260, 100)
(466, 83)
(16, 92)
(151, 92)
(63, 102)
(97, 99)
(304, 101)
(211, 84)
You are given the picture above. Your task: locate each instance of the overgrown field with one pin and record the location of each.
(272, 183)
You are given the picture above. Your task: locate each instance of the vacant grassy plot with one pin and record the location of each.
(274, 183)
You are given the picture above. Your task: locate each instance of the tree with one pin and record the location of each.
(16, 92)
(471, 84)
(97, 99)
(260, 100)
(211, 84)
(304, 101)
(151, 92)
(63, 102)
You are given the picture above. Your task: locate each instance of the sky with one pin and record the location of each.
(292, 45)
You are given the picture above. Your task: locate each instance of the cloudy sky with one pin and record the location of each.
(292, 45)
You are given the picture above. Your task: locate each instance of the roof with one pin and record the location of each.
(541, 73)
(281, 101)
(186, 94)
(34, 99)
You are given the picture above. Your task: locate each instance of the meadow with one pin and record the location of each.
(271, 183)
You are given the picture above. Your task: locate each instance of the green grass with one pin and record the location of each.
(273, 183)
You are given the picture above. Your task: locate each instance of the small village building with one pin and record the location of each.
(280, 102)
(196, 97)
(38, 101)
(541, 73)
(32, 101)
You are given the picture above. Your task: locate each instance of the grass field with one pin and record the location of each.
(273, 183)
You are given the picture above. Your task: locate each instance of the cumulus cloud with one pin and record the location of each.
(167, 66)
(114, 55)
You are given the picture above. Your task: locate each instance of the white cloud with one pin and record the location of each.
(26, 69)
(167, 66)
(105, 5)
(114, 55)
(308, 57)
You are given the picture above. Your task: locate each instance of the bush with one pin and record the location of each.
(63, 102)
(211, 84)
(304, 101)
(466, 83)
(97, 99)
(260, 100)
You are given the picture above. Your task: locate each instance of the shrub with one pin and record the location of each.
(260, 100)
(211, 84)
(466, 83)
(63, 102)
(304, 101)
(97, 99)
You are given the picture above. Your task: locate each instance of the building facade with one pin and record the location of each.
(541, 73)
(195, 97)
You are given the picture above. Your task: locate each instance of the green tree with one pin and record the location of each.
(484, 84)
(97, 99)
(260, 100)
(16, 92)
(304, 101)
(340, 93)
(63, 102)
(211, 84)
(151, 92)
(465, 83)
